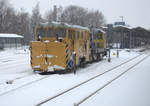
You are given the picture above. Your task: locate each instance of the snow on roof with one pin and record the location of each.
(80, 27)
(58, 24)
(123, 26)
(102, 30)
(98, 29)
(6, 35)
(104, 27)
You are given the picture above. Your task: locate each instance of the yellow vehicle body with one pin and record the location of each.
(54, 53)
(48, 55)
(103, 41)
(98, 44)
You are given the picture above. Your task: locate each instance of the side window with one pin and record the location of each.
(78, 34)
(101, 35)
(88, 35)
(64, 32)
(85, 35)
(82, 35)
(73, 35)
(98, 35)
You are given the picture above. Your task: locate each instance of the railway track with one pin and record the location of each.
(29, 83)
(44, 77)
(109, 82)
(5, 57)
(6, 66)
(86, 81)
(12, 61)
(17, 78)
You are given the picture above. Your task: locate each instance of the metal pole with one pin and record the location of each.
(117, 51)
(109, 59)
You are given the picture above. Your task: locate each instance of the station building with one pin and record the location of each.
(10, 40)
(122, 36)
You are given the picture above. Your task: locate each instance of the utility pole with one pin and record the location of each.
(122, 34)
(55, 13)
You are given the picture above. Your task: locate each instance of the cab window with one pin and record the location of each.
(51, 33)
(60, 32)
(101, 35)
(78, 34)
(73, 35)
(41, 32)
(82, 35)
(98, 35)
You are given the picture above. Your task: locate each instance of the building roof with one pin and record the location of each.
(6, 35)
(122, 26)
(139, 31)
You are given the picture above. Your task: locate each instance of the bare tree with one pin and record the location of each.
(35, 18)
(3, 13)
(19, 22)
(24, 26)
(12, 21)
(95, 19)
(49, 15)
(74, 15)
(81, 16)
(55, 14)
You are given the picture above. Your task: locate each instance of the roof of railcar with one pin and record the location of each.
(57, 24)
(98, 29)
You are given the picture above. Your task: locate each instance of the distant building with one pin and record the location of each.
(120, 35)
(120, 23)
(10, 40)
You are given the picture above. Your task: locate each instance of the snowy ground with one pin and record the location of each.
(132, 89)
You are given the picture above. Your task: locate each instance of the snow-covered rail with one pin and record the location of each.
(26, 84)
(109, 82)
(13, 64)
(84, 82)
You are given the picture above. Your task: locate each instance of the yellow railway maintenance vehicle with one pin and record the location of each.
(61, 47)
(98, 44)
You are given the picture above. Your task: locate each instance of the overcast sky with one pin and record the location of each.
(135, 12)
